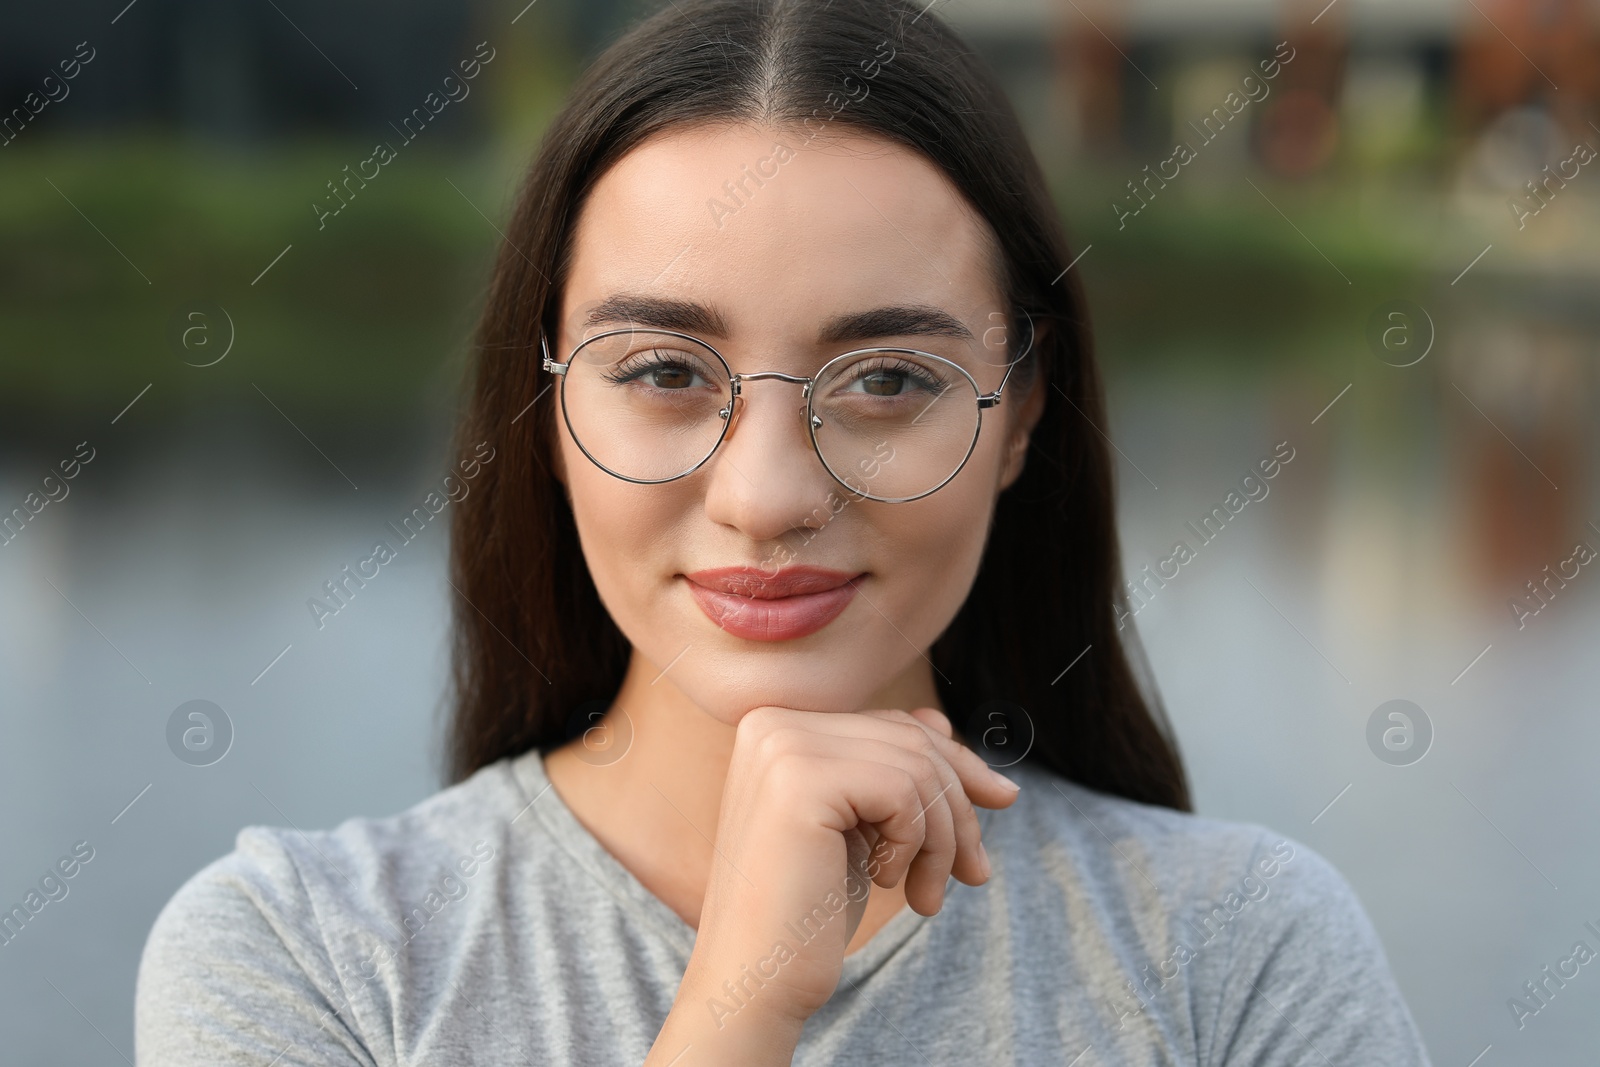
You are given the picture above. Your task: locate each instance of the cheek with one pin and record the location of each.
(930, 550)
(623, 529)
(942, 542)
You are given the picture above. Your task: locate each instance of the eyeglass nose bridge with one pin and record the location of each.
(805, 391)
(758, 375)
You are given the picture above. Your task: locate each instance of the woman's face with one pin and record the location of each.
(819, 232)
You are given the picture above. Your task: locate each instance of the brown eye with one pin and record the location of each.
(664, 369)
(893, 377)
(670, 377)
(883, 383)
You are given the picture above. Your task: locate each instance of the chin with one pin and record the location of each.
(729, 684)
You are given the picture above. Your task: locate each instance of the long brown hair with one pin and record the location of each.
(533, 643)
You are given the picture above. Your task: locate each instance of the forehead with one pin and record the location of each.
(778, 233)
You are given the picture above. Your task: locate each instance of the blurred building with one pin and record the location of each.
(1367, 77)
(234, 70)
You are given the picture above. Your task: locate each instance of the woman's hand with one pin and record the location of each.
(777, 915)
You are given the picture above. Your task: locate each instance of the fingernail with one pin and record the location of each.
(1008, 783)
(983, 854)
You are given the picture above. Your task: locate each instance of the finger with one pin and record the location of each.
(950, 824)
(920, 743)
(984, 785)
(929, 872)
(861, 791)
(967, 864)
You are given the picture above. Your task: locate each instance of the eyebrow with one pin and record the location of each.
(688, 316)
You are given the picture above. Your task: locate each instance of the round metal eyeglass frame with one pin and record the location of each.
(985, 400)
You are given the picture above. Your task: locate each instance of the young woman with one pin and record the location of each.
(797, 525)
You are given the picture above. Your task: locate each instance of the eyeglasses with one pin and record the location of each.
(889, 424)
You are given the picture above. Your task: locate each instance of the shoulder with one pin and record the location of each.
(362, 862)
(1246, 919)
(283, 936)
(1183, 856)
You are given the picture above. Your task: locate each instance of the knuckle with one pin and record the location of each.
(786, 774)
(908, 733)
(773, 730)
(754, 723)
(910, 794)
(914, 739)
(930, 778)
(944, 825)
(900, 715)
(773, 743)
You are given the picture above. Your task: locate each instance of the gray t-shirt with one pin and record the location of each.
(486, 925)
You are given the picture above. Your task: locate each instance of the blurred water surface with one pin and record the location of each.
(179, 566)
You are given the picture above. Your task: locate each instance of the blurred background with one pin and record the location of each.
(225, 366)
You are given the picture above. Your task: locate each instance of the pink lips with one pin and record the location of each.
(758, 605)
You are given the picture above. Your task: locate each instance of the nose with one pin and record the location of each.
(765, 479)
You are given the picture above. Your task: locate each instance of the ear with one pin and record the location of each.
(1030, 407)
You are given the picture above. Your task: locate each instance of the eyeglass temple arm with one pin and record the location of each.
(989, 400)
(549, 364)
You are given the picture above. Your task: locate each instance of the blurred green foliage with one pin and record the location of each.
(355, 315)
(1211, 277)
(367, 315)
(370, 315)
